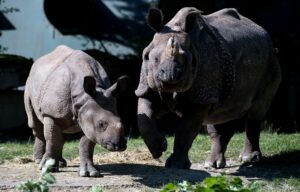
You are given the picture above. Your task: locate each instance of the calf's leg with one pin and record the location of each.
(54, 143)
(39, 143)
(86, 151)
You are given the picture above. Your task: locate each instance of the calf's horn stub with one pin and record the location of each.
(172, 47)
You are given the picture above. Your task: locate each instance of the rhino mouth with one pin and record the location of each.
(179, 86)
(115, 147)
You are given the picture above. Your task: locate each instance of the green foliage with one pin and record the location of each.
(96, 189)
(210, 184)
(40, 185)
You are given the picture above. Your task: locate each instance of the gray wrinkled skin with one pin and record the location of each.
(67, 91)
(210, 70)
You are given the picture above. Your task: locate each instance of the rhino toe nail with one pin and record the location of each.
(208, 164)
(37, 161)
(83, 174)
(156, 155)
(220, 164)
(95, 174)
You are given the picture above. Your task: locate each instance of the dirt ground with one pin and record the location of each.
(126, 171)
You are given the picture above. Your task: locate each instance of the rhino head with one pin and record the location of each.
(168, 61)
(98, 117)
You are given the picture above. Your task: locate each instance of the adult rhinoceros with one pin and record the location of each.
(209, 70)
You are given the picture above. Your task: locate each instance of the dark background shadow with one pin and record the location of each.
(96, 20)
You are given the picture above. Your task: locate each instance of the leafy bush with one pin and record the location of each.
(210, 184)
(40, 185)
(96, 189)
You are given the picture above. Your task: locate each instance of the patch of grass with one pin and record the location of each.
(278, 171)
(271, 144)
(11, 150)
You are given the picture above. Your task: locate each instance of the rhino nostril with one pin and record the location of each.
(178, 73)
(162, 75)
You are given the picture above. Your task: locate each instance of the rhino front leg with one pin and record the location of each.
(185, 134)
(155, 142)
(86, 151)
(220, 136)
(251, 151)
(54, 143)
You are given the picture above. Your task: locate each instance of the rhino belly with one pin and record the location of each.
(222, 114)
(72, 129)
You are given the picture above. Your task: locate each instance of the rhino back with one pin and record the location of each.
(243, 37)
(252, 54)
(57, 79)
(41, 77)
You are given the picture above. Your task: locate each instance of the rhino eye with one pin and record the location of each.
(102, 125)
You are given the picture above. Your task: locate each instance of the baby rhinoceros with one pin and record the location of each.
(67, 91)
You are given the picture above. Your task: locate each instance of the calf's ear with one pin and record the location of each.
(118, 87)
(155, 19)
(89, 85)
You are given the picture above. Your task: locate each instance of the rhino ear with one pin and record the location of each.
(192, 20)
(143, 87)
(118, 87)
(155, 19)
(89, 85)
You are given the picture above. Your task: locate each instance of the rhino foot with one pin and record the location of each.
(37, 161)
(178, 162)
(54, 168)
(157, 146)
(88, 171)
(62, 163)
(215, 161)
(250, 157)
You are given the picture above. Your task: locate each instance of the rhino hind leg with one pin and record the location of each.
(220, 136)
(39, 144)
(54, 143)
(86, 151)
(251, 151)
(37, 129)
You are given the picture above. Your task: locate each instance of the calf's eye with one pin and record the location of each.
(102, 125)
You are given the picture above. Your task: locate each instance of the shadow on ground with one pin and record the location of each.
(152, 176)
(284, 165)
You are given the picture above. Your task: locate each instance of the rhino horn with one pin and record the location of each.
(172, 47)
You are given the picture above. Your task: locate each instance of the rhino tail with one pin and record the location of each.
(33, 121)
